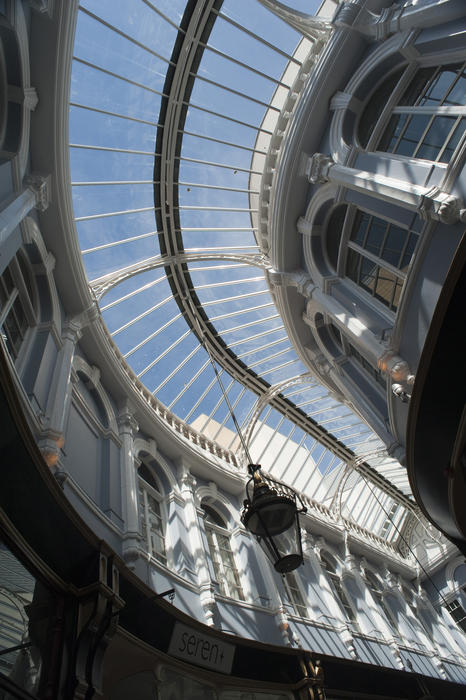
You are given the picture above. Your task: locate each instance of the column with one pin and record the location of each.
(429, 202)
(127, 429)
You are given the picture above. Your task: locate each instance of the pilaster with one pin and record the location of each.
(188, 490)
(59, 399)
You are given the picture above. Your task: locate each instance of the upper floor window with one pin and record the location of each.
(151, 514)
(335, 581)
(294, 594)
(429, 119)
(458, 613)
(17, 312)
(378, 256)
(218, 538)
(375, 588)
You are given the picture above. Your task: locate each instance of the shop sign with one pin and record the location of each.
(201, 649)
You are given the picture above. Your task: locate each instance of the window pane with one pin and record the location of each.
(368, 274)
(417, 86)
(394, 244)
(438, 133)
(454, 140)
(413, 134)
(384, 287)
(457, 94)
(375, 235)
(440, 85)
(392, 133)
(359, 230)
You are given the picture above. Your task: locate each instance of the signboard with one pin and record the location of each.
(201, 649)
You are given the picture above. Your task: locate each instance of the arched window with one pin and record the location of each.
(218, 537)
(330, 568)
(17, 311)
(375, 588)
(427, 120)
(378, 256)
(151, 514)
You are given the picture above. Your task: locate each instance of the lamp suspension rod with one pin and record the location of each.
(202, 340)
(230, 407)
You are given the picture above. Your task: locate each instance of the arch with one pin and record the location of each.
(148, 447)
(213, 496)
(313, 229)
(450, 570)
(92, 375)
(50, 307)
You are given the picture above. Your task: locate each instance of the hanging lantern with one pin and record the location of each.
(271, 514)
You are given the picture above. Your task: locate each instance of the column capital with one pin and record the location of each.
(127, 422)
(41, 186)
(72, 331)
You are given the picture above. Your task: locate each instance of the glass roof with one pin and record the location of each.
(172, 108)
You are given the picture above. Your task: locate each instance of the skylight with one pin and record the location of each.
(167, 145)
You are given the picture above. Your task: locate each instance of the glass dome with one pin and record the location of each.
(173, 106)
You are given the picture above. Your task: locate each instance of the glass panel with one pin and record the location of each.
(384, 286)
(412, 135)
(417, 86)
(440, 85)
(454, 140)
(368, 274)
(437, 134)
(359, 230)
(392, 133)
(458, 92)
(294, 594)
(375, 235)
(394, 244)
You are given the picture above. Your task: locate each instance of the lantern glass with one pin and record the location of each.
(284, 550)
(271, 514)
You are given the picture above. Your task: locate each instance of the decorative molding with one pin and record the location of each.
(41, 186)
(43, 6)
(31, 98)
(318, 167)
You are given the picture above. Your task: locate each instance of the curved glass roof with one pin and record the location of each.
(172, 109)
